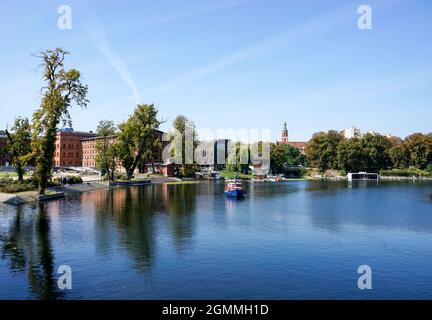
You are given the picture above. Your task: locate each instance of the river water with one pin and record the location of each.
(289, 240)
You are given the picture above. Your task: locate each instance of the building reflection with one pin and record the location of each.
(27, 247)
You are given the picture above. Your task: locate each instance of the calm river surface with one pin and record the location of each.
(290, 240)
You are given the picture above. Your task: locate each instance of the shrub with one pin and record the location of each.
(13, 186)
(405, 173)
(75, 180)
(429, 168)
(67, 180)
(121, 176)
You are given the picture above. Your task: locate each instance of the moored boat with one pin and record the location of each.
(234, 189)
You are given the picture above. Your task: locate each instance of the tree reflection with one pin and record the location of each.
(131, 211)
(180, 203)
(135, 214)
(27, 247)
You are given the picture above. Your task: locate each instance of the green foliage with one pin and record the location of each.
(18, 145)
(413, 172)
(375, 148)
(138, 138)
(322, 149)
(106, 149)
(370, 152)
(186, 129)
(121, 176)
(399, 156)
(63, 87)
(12, 186)
(237, 154)
(419, 149)
(415, 150)
(429, 168)
(235, 175)
(283, 155)
(367, 153)
(69, 180)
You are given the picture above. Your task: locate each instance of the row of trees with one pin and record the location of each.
(133, 142)
(283, 156)
(130, 143)
(369, 152)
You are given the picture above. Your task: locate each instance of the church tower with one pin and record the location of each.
(284, 134)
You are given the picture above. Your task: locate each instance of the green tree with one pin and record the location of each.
(322, 149)
(186, 129)
(138, 138)
(350, 155)
(419, 148)
(63, 87)
(233, 162)
(283, 155)
(106, 148)
(19, 146)
(399, 156)
(375, 149)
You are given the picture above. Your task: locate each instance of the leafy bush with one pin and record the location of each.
(121, 176)
(54, 183)
(13, 186)
(68, 180)
(405, 173)
(429, 168)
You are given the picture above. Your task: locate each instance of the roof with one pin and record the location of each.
(97, 138)
(295, 144)
(70, 131)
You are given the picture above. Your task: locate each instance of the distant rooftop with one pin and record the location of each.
(83, 133)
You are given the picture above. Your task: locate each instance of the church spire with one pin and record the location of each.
(285, 133)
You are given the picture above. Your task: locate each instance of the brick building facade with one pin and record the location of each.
(4, 157)
(89, 152)
(69, 152)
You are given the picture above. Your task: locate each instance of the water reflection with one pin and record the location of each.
(28, 250)
(136, 213)
(177, 241)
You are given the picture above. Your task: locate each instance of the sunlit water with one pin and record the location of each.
(291, 240)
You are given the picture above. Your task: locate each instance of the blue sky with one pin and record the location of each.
(231, 63)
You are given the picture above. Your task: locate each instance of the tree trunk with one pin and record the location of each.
(129, 174)
(20, 173)
(41, 189)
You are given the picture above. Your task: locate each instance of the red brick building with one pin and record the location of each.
(89, 153)
(4, 157)
(69, 152)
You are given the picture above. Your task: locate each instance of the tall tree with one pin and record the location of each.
(283, 155)
(186, 129)
(419, 148)
(106, 148)
(63, 88)
(138, 138)
(375, 148)
(350, 155)
(238, 157)
(19, 146)
(321, 150)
